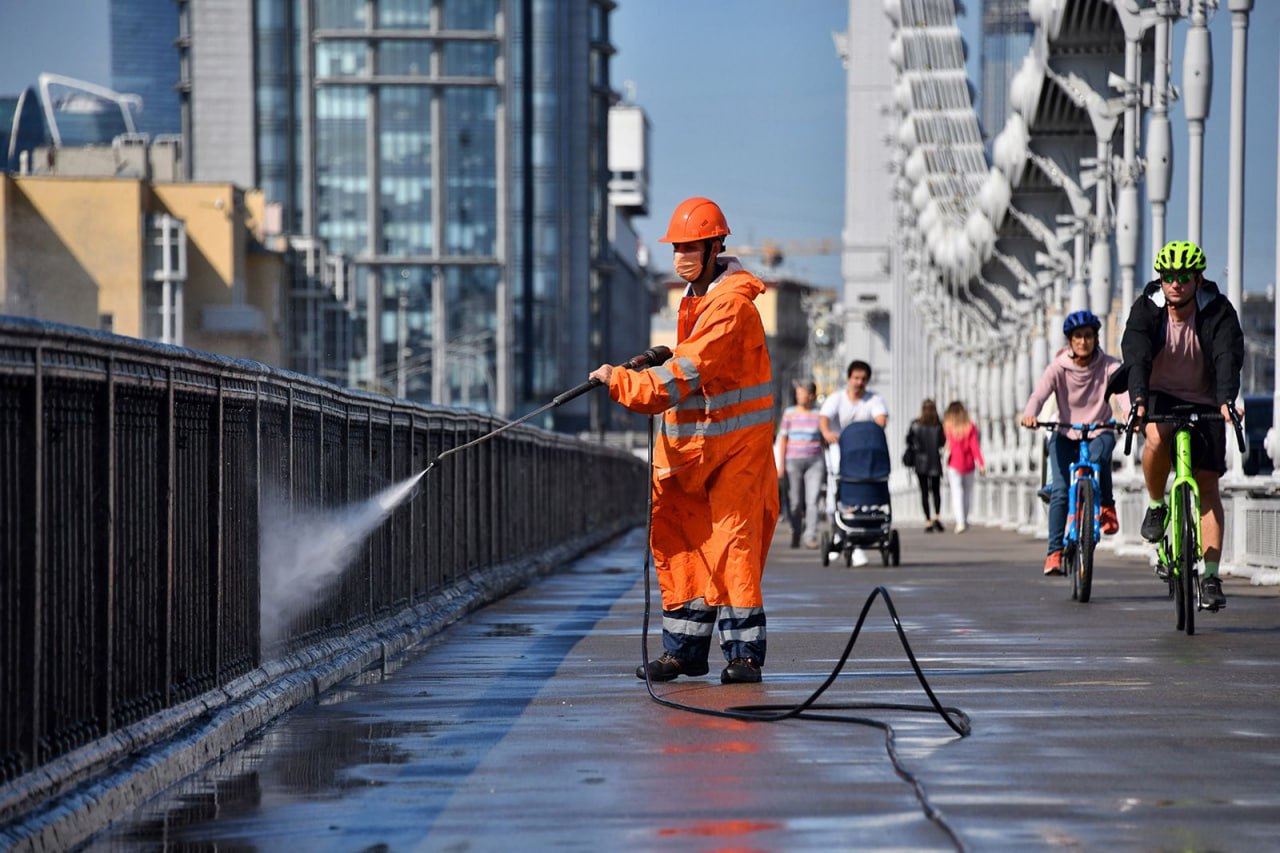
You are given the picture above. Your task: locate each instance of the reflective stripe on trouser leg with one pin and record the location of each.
(686, 631)
(742, 633)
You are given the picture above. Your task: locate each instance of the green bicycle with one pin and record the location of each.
(1178, 554)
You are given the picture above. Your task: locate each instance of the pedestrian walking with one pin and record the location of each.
(925, 440)
(715, 496)
(803, 465)
(964, 456)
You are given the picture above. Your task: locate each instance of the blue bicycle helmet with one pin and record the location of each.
(1078, 320)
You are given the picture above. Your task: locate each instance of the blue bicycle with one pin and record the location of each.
(1084, 511)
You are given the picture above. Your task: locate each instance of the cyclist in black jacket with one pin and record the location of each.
(1183, 345)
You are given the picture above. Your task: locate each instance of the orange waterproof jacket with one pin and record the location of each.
(715, 485)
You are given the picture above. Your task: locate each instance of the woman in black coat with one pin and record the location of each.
(925, 440)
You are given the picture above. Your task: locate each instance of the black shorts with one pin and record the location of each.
(1208, 438)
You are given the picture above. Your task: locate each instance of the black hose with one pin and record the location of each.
(957, 719)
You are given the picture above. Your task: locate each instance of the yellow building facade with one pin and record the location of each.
(180, 263)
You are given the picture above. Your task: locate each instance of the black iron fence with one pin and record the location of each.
(132, 476)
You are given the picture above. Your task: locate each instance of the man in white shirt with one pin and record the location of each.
(852, 405)
(855, 404)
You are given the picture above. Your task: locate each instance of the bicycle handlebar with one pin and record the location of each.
(1081, 427)
(1182, 419)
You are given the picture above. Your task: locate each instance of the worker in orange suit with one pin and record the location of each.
(715, 488)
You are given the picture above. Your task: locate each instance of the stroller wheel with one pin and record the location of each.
(895, 548)
(824, 545)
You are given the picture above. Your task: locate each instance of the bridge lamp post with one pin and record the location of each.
(1273, 435)
(1197, 85)
(1235, 179)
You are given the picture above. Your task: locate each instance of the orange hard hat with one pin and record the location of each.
(695, 219)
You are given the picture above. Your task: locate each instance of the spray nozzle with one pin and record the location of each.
(651, 357)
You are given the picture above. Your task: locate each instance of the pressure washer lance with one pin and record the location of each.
(651, 357)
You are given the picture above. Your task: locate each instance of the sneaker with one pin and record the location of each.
(859, 557)
(740, 671)
(961, 528)
(1053, 563)
(928, 528)
(937, 525)
(1153, 523)
(668, 667)
(1211, 593)
(811, 543)
(1110, 522)
(795, 538)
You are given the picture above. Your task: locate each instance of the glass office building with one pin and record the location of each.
(455, 150)
(144, 60)
(1006, 39)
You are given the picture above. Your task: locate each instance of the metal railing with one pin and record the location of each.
(1007, 497)
(131, 481)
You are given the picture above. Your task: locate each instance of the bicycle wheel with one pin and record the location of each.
(1187, 560)
(1175, 584)
(1082, 582)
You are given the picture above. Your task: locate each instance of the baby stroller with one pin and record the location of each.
(864, 513)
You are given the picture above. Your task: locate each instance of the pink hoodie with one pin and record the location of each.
(964, 450)
(1080, 391)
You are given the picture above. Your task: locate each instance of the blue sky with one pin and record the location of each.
(746, 101)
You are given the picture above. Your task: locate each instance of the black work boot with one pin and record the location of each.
(1153, 523)
(740, 671)
(668, 667)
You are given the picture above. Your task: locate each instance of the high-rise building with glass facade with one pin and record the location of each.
(1006, 38)
(455, 150)
(144, 60)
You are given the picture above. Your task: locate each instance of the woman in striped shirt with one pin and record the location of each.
(800, 448)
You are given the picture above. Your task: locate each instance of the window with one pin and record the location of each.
(341, 59)
(470, 14)
(404, 14)
(402, 58)
(166, 257)
(340, 14)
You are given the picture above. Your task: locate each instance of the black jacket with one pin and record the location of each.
(1217, 329)
(927, 440)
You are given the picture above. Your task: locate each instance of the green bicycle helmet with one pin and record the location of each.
(1179, 255)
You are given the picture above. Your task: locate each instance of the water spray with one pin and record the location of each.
(302, 553)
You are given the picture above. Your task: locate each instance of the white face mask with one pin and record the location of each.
(689, 265)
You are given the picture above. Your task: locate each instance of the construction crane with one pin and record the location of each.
(773, 252)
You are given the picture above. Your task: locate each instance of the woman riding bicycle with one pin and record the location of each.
(1077, 378)
(1183, 345)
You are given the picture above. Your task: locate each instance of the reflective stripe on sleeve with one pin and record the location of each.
(668, 379)
(690, 371)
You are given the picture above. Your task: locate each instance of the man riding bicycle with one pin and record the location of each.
(1183, 345)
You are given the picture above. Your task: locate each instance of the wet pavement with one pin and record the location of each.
(1095, 726)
